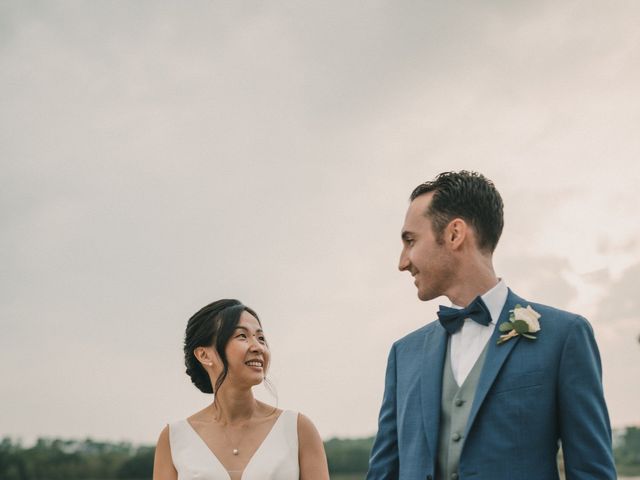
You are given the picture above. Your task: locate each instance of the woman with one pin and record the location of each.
(236, 437)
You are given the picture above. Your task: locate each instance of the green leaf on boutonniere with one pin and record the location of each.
(527, 335)
(521, 326)
(505, 327)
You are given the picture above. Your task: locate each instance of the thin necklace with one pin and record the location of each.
(234, 449)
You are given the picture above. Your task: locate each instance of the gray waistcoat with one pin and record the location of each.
(455, 407)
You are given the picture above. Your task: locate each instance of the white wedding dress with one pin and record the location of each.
(275, 459)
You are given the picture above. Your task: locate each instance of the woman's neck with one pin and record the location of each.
(234, 406)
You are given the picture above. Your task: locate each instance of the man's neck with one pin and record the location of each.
(471, 283)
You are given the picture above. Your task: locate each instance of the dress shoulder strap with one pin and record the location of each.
(289, 424)
(180, 437)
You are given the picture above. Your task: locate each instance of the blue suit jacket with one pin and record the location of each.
(531, 393)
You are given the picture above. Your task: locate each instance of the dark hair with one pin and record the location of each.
(212, 325)
(467, 195)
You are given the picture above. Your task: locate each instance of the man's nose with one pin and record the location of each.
(403, 264)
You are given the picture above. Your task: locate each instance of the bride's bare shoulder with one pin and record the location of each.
(265, 410)
(201, 416)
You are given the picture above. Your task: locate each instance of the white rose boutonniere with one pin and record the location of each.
(522, 321)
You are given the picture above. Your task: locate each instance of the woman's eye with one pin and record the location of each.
(241, 335)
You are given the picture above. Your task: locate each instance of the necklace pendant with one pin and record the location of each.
(235, 451)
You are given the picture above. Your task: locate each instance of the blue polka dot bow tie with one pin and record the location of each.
(453, 318)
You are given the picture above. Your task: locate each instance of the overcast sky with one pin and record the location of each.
(157, 156)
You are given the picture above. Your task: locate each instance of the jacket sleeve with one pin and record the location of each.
(585, 430)
(383, 464)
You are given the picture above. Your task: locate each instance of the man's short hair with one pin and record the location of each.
(467, 195)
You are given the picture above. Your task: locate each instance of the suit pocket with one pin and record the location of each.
(519, 381)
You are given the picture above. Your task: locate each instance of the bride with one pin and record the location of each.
(236, 437)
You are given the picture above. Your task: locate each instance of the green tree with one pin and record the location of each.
(348, 455)
(139, 466)
(628, 452)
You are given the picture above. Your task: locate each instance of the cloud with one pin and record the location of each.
(618, 333)
(539, 279)
(622, 303)
(156, 157)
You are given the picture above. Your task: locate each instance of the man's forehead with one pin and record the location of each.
(415, 221)
(422, 201)
(417, 209)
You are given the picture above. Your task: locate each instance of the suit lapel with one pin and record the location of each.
(435, 347)
(495, 358)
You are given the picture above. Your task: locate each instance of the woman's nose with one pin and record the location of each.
(256, 345)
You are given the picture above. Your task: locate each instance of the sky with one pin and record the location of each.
(157, 156)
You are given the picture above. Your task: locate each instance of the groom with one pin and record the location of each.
(485, 392)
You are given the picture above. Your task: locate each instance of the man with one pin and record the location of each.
(488, 391)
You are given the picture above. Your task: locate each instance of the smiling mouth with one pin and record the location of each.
(255, 363)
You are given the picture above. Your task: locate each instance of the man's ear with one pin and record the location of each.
(455, 233)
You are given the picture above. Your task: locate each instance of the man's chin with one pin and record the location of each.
(425, 296)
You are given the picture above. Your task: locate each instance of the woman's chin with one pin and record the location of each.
(251, 381)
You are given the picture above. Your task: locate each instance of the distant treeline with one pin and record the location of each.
(55, 459)
(627, 451)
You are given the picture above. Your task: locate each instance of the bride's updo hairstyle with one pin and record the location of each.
(211, 326)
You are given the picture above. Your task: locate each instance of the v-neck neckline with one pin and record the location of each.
(215, 457)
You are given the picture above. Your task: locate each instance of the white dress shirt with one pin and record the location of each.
(468, 342)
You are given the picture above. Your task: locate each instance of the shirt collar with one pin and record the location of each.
(494, 299)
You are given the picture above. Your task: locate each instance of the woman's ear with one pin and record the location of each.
(205, 356)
